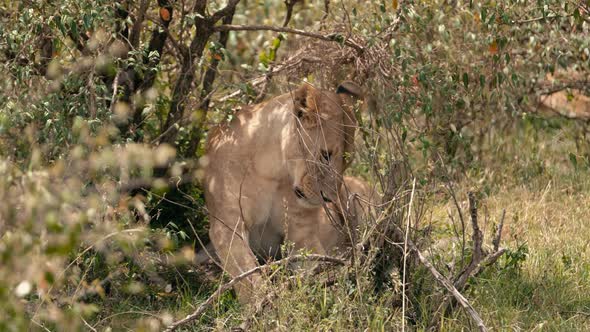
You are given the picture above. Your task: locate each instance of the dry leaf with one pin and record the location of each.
(165, 14)
(493, 48)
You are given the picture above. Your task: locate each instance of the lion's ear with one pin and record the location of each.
(302, 100)
(350, 93)
(350, 88)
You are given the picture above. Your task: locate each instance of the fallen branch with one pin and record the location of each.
(479, 259)
(447, 285)
(201, 309)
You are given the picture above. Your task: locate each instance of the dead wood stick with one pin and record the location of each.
(498, 237)
(478, 255)
(447, 284)
(477, 236)
(489, 260)
(197, 313)
(407, 237)
(479, 259)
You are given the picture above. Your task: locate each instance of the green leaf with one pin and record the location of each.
(87, 21)
(492, 18)
(263, 58)
(577, 15)
(60, 25)
(276, 43)
(466, 80)
(573, 160)
(73, 27)
(339, 39)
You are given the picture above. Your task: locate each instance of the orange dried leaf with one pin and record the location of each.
(164, 14)
(394, 4)
(217, 56)
(493, 48)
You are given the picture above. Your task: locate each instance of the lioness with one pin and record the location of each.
(270, 170)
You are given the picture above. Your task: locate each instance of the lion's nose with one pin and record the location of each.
(299, 193)
(325, 198)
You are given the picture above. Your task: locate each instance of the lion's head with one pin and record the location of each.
(325, 127)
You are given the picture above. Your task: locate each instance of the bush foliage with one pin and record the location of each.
(105, 106)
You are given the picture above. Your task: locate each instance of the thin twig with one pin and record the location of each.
(290, 4)
(542, 18)
(489, 260)
(496, 240)
(136, 29)
(268, 77)
(406, 255)
(477, 236)
(477, 254)
(335, 37)
(326, 13)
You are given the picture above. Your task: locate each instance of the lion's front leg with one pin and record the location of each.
(230, 240)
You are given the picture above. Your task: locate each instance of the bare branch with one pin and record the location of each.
(326, 11)
(582, 85)
(498, 237)
(407, 234)
(479, 260)
(225, 11)
(290, 4)
(488, 261)
(207, 88)
(477, 236)
(268, 77)
(542, 18)
(156, 45)
(136, 29)
(477, 254)
(182, 88)
(334, 37)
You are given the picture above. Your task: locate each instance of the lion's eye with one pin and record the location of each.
(326, 155)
